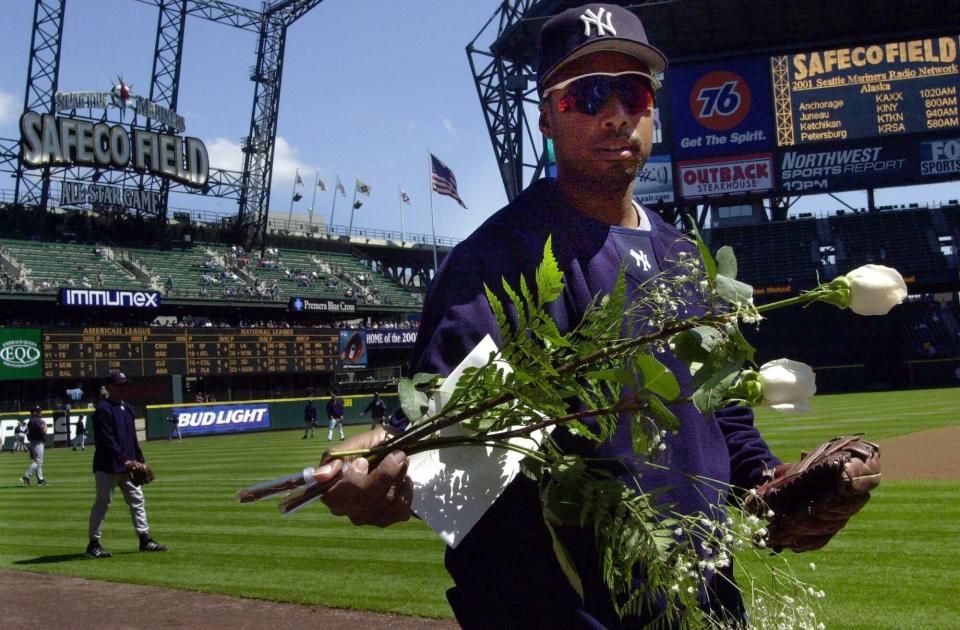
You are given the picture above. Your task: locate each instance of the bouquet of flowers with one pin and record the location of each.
(510, 401)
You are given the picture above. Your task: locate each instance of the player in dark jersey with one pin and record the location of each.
(597, 81)
(377, 410)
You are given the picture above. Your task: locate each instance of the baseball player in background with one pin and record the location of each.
(20, 437)
(377, 410)
(115, 458)
(36, 434)
(309, 419)
(81, 437)
(335, 413)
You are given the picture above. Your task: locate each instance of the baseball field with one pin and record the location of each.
(894, 566)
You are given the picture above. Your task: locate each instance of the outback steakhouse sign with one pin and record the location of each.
(737, 175)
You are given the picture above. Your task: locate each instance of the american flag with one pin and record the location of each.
(444, 181)
(343, 191)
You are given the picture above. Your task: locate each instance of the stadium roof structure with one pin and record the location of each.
(686, 31)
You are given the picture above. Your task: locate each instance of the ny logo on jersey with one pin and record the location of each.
(600, 19)
(641, 259)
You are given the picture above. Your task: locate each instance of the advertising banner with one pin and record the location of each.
(222, 418)
(940, 158)
(867, 91)
(109, 297)
(846, 166)
(319, 305)
(738, 175)
(353, 349)
(21, 354)
(390, 338)
(655, 181)
(721, 108)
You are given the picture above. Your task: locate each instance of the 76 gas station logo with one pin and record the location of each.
(720, 100)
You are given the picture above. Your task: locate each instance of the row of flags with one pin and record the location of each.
(443, 180)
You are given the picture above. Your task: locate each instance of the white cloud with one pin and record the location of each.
(448, 125)
(227, 154)
(8, 107)
(285, 163)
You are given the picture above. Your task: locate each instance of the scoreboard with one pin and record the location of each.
(894, 88)
(95, 352)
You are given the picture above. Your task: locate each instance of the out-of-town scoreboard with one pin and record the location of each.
(95, 352)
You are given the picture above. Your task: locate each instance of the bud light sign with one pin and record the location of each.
(222, 419)
(721, 109)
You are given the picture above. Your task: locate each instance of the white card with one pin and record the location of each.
(454, 487)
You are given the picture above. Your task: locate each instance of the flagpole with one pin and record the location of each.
(292, 195)
(336, 189)
(314, 200)
(400, 195)
(353, 206)
(433, 224)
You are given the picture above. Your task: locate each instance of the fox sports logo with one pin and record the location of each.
(19, 353)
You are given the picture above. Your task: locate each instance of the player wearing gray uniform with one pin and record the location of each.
(37, 434)
(335, 413)
(117, 453)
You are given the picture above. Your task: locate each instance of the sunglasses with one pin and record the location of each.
(588, 93)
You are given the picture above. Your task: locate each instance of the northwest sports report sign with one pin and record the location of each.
(899, 87)
(222, 419)
(21, 354)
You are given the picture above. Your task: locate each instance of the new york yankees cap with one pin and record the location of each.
(117, 378)
(591, 28)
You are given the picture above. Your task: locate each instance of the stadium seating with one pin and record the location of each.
(773, 254)
(48, 266)
(206, 270)
(903, 239)
(929, 329)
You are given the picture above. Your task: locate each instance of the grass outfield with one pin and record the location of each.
(897, 568)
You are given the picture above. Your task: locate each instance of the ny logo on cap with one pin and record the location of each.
(599, 18)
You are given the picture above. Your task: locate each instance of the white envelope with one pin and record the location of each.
(454, 487)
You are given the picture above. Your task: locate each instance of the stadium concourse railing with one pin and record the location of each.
(284, 414)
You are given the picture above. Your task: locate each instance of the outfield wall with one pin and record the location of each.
(253, 415)
(57, 433)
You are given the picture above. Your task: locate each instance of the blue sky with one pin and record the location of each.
(369, 86)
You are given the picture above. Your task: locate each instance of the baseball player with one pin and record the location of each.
(309, 419)
(597, 80)
(74, 396)
(117, 455)
(335, 413)
(377, 410)
(36, 434)
(20, 437)
(81, 437)
(175, 430)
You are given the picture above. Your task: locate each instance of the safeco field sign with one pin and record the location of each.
(21, 354)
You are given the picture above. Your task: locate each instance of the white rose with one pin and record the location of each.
(875, 289)
(787, 384)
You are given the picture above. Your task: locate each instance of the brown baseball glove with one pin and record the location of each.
(140, 474)
(813, 499)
